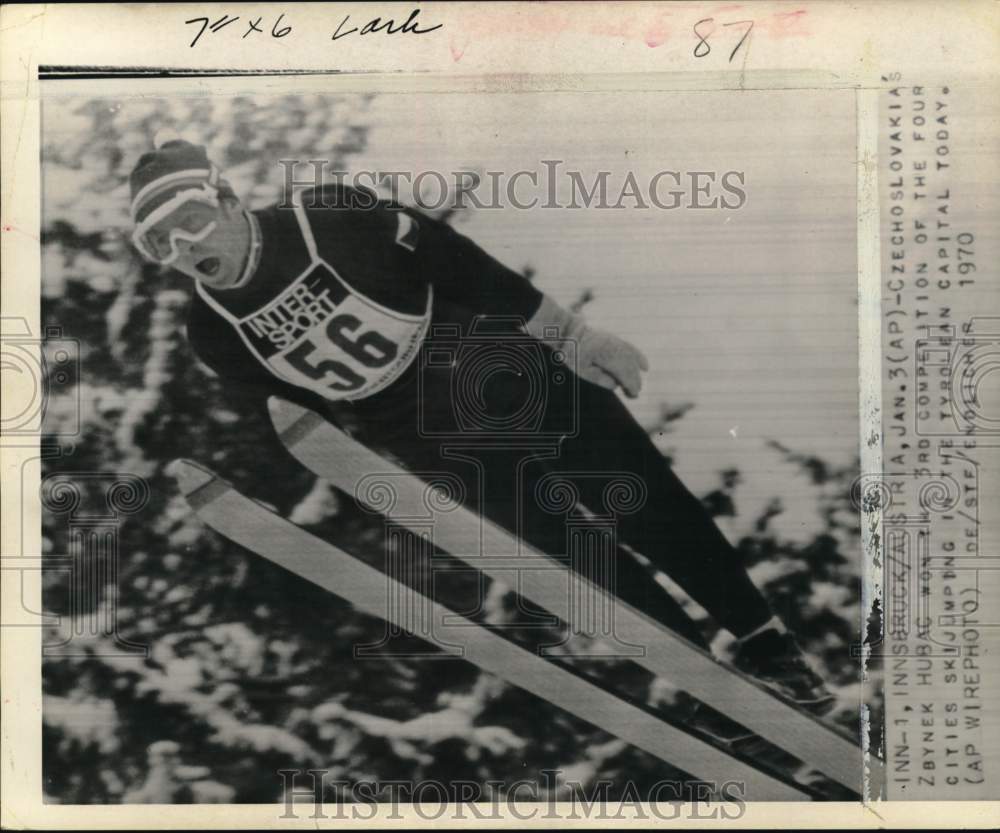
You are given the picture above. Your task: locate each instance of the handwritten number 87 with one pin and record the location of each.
(704, 29)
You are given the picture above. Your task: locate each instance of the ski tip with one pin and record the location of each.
(284, 413)
(189, 476)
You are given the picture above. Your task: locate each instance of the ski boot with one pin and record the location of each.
(776, 660)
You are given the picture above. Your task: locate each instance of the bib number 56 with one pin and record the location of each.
(369, 348)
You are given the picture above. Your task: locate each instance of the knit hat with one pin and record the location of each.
(161, 174)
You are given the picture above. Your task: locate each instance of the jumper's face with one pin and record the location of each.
(204, 238)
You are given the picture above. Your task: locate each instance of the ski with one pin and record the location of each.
(258, 529)
(344, 462)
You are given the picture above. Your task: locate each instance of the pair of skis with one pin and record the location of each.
(539, 578)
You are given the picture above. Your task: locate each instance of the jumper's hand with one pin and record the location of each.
(609, 361)
(601, 358)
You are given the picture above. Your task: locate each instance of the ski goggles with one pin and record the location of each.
(188, 216)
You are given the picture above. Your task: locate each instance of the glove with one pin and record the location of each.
(609, 361)
(601, 357)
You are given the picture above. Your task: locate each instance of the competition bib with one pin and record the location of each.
(322, 335)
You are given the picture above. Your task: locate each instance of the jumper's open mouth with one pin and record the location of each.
(209, 266)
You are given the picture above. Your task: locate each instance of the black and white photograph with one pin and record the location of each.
(567, 442)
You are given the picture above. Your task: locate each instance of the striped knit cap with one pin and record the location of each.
(160, 174)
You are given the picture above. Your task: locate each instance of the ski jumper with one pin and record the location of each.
(336, 317)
